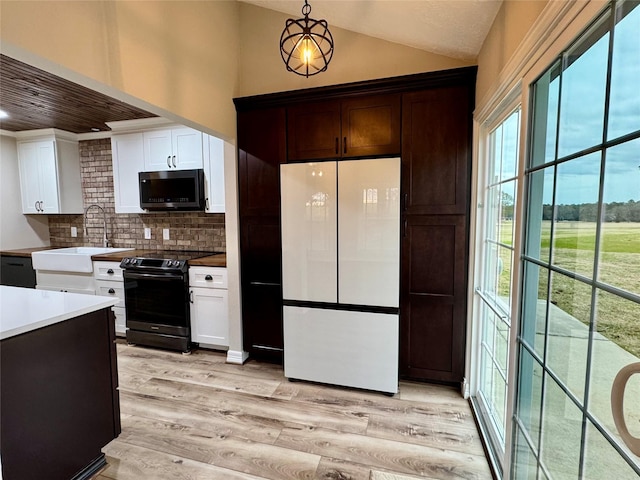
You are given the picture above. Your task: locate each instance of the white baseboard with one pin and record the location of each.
(237, 356)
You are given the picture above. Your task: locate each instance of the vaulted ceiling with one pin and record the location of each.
(456, 28)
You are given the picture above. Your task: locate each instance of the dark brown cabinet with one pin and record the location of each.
(60, 402)
(261, 150)
(353, 127)
(424, 118)
(436, 172)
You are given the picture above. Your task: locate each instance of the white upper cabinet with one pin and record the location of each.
(215, 151)
(179, 148)
(128, 161)
(50, 176)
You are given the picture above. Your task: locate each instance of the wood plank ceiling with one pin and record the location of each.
(36, 99)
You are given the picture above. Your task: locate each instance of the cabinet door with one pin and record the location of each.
(215, 149)
(261, 150)
(128, 161)
(371, 126)
(209, 316)
(314, 131)
(49, 199)
(436, 152)
(433, 298)
(187, 148)
(38, 177)
(29, 177)
(158, 152)
(261, 286)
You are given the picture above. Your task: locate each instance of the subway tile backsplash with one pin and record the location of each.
(187, 230)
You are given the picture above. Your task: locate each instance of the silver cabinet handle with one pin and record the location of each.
(110, 271)
(190, 296)
(174, 162)
(36, 206)
(169, 161)
(112, 291)
(208, 277)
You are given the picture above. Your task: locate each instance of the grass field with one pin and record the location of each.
(618, 265)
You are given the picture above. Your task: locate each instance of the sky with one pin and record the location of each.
(582, 112)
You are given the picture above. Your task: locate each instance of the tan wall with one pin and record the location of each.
(513, 21)
(357, 57)
(178, 56)
(16, 230)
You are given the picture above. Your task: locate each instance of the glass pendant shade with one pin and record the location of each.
(306, 45)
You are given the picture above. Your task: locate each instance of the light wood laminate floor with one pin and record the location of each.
(197, 417)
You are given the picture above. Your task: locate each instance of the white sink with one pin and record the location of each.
(72, 259)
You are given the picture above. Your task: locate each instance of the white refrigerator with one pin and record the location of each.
(341, 272)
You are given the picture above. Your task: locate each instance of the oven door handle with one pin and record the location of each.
(161, 276)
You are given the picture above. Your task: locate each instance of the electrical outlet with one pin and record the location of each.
(165, 234)
(147, 233)
(74, 231)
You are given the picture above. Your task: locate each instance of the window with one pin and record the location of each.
(580, 311)
(494, 296)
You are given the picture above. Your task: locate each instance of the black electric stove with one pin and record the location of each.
(156, 294)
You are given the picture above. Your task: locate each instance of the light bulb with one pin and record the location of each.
(306, 51)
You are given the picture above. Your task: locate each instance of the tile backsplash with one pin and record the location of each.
(187, 230)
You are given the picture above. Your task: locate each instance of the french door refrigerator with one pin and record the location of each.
(341, 272)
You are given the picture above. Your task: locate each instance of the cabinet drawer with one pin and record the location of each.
(111, 289)
(208, 277)
(107, 271)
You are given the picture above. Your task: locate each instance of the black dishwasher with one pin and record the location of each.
(17, 272)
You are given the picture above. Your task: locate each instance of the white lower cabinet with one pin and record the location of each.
(110, 283)
(209, 306)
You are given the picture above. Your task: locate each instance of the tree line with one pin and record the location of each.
(588, 212)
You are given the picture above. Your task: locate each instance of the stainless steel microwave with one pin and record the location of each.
(172, 190)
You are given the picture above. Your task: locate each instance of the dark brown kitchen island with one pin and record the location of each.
(59, 402)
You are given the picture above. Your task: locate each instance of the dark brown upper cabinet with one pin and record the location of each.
(436, 150)
(353, 127)
(261, 150)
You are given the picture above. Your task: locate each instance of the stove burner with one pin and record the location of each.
(166, 260)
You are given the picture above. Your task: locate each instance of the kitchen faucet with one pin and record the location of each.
(105, 241)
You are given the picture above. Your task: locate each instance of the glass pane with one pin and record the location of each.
(616, 345)
(534, 310)
(561, 433)
(525, 464)
(602, 461)
(545, 117)
(576, 212)
(510, 135)
(507, 197)
(488, 329)
(530, 394)
(493, 212)
(495, 155)
(568, 335)
(498, 399)
(502, 345)
(490, 270)
(504, 277)
(540, 214)
(620, 235)
(624, 104)
(584, 77)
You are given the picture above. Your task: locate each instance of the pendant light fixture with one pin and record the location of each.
(306, 45)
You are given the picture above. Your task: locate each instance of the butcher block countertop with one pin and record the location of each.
(24, 252)
(218, 260)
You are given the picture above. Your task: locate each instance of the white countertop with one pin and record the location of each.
(25, 309)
